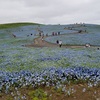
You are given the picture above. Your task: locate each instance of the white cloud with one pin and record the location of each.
(50, 11)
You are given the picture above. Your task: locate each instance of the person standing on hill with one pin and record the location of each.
(60, 43)
(42, 38)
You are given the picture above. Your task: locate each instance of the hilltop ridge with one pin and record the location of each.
(12, 25)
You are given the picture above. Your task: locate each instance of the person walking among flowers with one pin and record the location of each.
(60, 43)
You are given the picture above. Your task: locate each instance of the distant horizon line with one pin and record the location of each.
(49, 23)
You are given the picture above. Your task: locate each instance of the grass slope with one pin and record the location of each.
(12, 25)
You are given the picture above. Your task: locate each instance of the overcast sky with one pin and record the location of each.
(50, 11)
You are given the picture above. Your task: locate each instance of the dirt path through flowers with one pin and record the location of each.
(41, 42)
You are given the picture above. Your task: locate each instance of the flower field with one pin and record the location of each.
(39, 73)
(92, 36)
(77, 39)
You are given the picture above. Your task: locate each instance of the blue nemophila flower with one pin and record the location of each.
(49, 77)
(48, 59)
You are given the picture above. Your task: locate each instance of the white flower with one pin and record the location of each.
(84, 90)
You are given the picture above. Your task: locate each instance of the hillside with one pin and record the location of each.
(36, 69)
(12, 25)
(28, 31)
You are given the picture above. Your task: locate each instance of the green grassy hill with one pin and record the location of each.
(12, 25)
